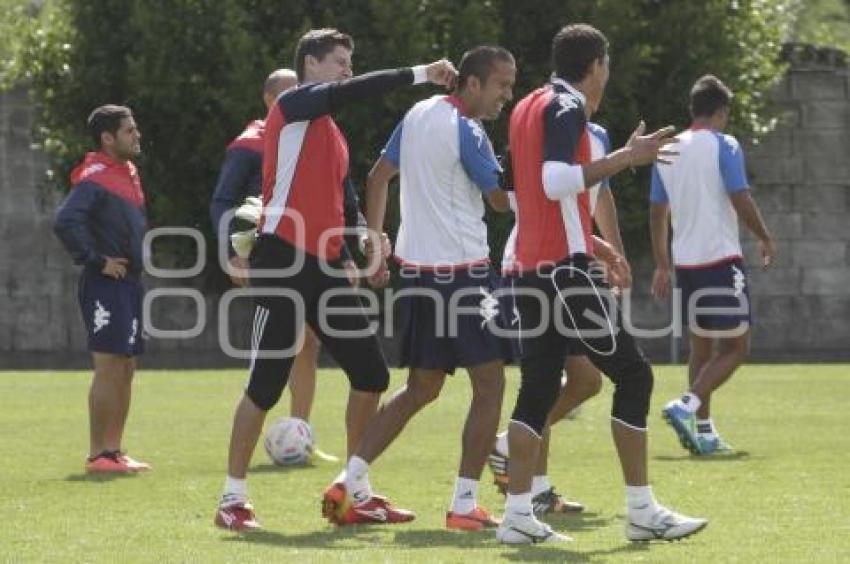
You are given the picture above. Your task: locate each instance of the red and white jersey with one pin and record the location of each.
(600, 145)
(305, 160)
(549, 125)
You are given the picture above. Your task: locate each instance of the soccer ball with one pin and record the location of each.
(289, 441)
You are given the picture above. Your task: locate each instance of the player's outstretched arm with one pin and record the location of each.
(315, 100)
(749, 213)
(638, 151)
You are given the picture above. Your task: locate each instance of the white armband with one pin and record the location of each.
(420, 74)
(561, 179)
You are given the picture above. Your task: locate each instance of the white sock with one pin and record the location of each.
(690, 402)
(466, 490)
(518, 503)
(340, 478)
(539, 484)
(357, 480)
(502, 443)
(705, 427)
(235, 490)
(639, 500)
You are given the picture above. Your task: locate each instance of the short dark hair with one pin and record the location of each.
(708, 95)
(106, 119)
(574, 48)
(319, 42)
(479, 62)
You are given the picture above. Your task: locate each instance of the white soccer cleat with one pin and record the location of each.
(662, 524)
(526, 529)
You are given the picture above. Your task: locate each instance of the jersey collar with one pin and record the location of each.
(698, 127)
(570, 88)
(459, 104)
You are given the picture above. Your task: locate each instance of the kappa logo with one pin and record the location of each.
(91, 169)
(739, 281)
(135, 332)
(567, 102)
(477, 132)
(489, 307)
(101, 316)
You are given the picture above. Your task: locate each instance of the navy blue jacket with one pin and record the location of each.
(103, 215)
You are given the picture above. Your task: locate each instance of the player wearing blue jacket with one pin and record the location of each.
(102, 223)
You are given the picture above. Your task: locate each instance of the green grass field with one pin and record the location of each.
(784, 497)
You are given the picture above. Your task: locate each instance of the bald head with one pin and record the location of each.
(277, 82)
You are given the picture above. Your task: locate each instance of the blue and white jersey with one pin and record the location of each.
(697, 186)
(600, 145)
(446, 163)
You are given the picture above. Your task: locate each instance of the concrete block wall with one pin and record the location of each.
(801, 178)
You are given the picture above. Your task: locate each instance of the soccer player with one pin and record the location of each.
(240, 177)
(102, 223)
(582, 380)
(562, 302)
(296, 261)
(446, 164)
(704, 192)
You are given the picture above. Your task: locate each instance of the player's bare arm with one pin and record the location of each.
(377, 188)
(749, 213)
(659, 220)
(499, 201)
(605, 218)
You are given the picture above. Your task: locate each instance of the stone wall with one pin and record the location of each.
(802, 178)
(800, 173)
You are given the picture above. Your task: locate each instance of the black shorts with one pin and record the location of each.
(328, 304)
(569, 310)
(723, 287)
(448, 319)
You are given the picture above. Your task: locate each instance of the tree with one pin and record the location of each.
(192, 70)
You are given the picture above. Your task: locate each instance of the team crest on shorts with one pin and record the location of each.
(101, 316)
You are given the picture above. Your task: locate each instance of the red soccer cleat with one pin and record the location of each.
(339, 510)
(476, 520)
(238, 516)
(108, 463)
(133, 464)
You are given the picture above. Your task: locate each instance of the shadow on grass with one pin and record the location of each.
(327, 539)
(562, 553)
(731, 457)
(572, 522)
(367, 537)
(86, 477)
(274, 468)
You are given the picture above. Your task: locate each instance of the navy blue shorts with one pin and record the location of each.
(112, 313)
(442, 332)
(723, 285)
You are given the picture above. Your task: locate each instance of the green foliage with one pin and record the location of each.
(192, 71)
(825, 23)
